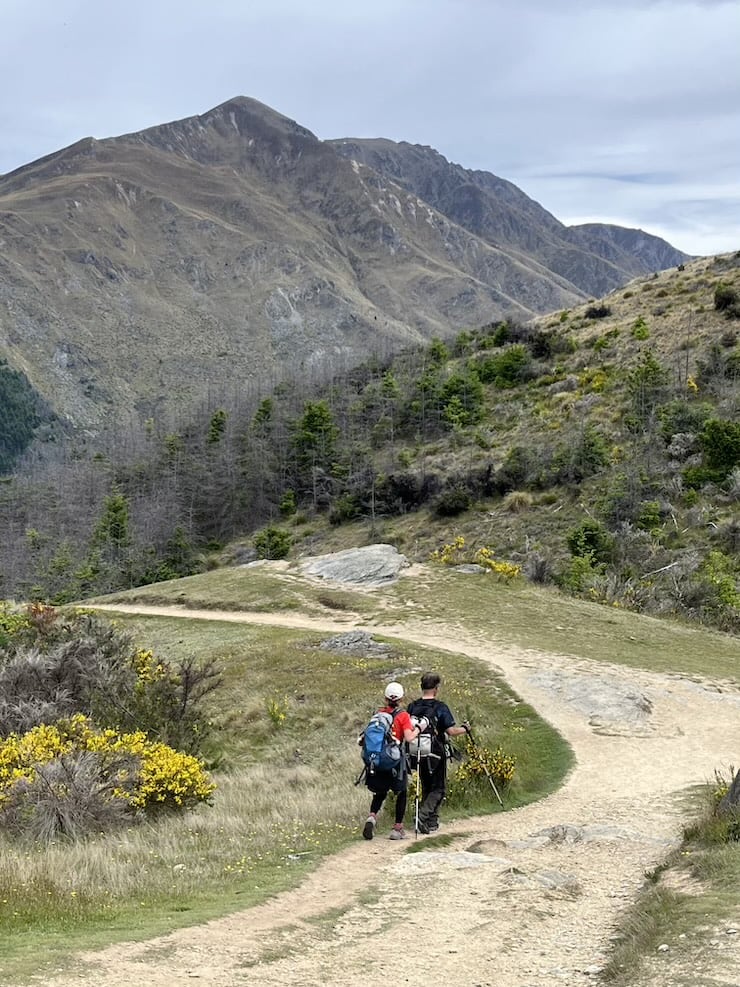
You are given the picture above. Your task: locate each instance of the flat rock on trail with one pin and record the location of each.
(526, 898)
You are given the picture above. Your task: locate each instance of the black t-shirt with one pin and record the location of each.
(436, 711)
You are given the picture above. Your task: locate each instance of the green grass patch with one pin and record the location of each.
(512, 613)
(255, 588)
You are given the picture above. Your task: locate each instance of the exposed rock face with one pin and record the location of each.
(375, 565)
(354, 643)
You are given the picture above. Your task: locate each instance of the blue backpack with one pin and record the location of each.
(380, 749)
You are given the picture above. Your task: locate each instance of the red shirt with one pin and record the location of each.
(401, 721)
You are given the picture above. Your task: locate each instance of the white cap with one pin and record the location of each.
(394, 690)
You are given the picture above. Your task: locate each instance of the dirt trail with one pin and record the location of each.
(525, 913)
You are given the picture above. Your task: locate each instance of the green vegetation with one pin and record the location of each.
(21, 414)
(633, 428)
(513, 610)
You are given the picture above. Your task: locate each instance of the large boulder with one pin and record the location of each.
(374, 565)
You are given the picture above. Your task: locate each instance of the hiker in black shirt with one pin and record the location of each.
(433, 769)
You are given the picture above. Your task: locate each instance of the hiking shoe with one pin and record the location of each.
(368, 830)
(397, 834)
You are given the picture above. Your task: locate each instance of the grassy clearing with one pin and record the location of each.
(514, 613)
(262, 589)
(286, 756)
(687, 903)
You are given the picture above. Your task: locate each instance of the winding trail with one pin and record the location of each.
(525, 913)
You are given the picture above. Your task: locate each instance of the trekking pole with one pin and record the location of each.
(486, 771)
(418, 786)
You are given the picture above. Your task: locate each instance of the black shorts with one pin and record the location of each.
(386, 781)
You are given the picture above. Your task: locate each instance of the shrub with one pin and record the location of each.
(649, 516)
(681, 416)
(537, 568)
(344, 508)
(452, 502)
(517, 501)
(288, 505)
(591, 540)
(472, 776)
(449, 554)
(640, 329)
(68, 778)
(507, 369)
(272, 542)
(515, 470)
(56, 664)
(720, 443)
(71, 796)
(726, 299)
(583, 575)
(600, 311)
(504, 570)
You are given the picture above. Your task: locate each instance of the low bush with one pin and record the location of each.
(272, 542)
(726, 300)
(600, 311)
(480, 766)
(452, 502)
(71, 778)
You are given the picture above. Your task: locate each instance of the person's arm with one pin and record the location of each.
(455, 731)
(411, 733)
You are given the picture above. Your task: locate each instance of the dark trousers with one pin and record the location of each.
(433, 774)
(380, 784)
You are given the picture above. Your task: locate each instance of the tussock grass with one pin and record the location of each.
(285, 795)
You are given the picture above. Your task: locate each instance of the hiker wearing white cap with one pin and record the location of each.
(395, 723)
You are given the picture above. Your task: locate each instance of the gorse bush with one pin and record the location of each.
(457, 553)
(71, 778)
(480, 763)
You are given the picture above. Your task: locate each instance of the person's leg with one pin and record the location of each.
(368, 830)
(426, 776)
(436, 794)
(401, 802)
(377, 803)
(433, 778)
(398, 832)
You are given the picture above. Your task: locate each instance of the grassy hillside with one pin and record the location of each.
(599, 449)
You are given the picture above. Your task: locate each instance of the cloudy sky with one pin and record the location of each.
(624, 111)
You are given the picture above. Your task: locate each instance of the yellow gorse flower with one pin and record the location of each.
(164, 776)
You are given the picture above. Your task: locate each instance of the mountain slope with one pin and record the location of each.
(143, 273)
(595, 257)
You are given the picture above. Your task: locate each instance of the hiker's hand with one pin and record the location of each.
(466, 726)
(422, 723)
